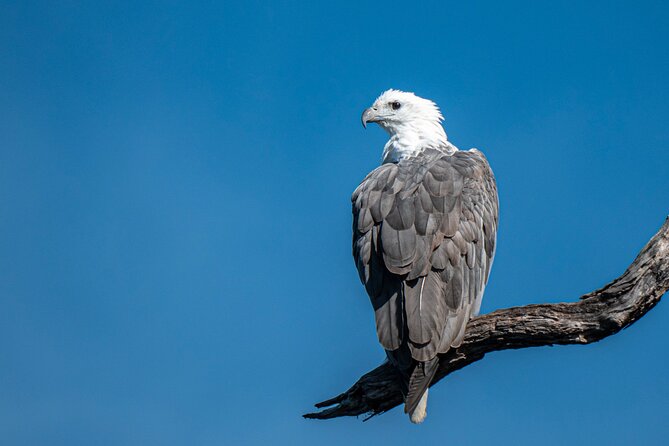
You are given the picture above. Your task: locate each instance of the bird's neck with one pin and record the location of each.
(410, 139)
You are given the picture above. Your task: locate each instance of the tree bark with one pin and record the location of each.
(596, 315)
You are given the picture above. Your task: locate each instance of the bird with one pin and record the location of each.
(424, 233)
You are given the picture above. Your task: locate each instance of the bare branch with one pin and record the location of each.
(595, 316)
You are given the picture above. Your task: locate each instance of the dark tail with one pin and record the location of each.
(419, 381)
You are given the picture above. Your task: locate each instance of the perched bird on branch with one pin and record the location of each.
(424, 231)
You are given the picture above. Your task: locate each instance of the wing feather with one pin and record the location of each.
(424, 234)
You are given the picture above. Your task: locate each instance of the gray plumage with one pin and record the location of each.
(424, 228)
(424, 232)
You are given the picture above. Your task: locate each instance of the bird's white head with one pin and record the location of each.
(413, 123)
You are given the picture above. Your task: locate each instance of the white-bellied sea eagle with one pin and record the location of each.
(424, 230)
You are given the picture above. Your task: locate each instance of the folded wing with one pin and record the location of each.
(424, 235)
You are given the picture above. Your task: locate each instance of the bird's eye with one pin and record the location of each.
(395, 105)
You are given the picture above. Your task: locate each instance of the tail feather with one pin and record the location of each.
(420, 380)
(420, 412)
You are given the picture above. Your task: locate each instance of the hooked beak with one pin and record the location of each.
(368, 115)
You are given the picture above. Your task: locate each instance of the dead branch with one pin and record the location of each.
(595, 316)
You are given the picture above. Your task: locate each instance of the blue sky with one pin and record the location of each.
(175, 256)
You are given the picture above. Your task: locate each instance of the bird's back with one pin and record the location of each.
(424, 239)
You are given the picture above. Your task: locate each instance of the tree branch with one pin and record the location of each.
(595, 316)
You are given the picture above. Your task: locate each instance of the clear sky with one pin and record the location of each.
(175, 260)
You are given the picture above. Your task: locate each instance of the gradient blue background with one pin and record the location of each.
(175, 177)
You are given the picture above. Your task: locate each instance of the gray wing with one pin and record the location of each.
(424, 235)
